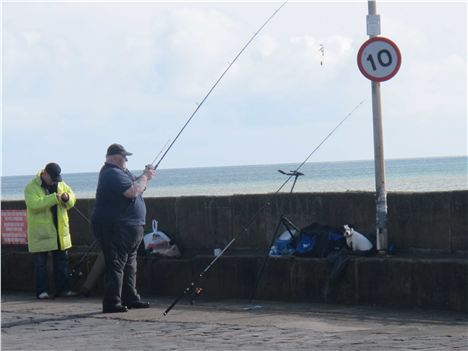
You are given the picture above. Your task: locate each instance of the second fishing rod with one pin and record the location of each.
(193, 290)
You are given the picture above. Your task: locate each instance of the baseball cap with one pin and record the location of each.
(117, 149)
(54, 171)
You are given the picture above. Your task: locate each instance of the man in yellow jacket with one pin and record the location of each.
(48, 199)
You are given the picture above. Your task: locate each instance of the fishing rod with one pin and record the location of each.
(76, 272)
(192, 290)
(319, 145)
(216, 83)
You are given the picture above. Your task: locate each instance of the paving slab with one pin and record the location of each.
(78, 324)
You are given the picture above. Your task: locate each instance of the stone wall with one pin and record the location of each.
(429, 222)
(387, 281)
(434, 224)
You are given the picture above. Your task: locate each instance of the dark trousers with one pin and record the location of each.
(61, 275)
(119, 245)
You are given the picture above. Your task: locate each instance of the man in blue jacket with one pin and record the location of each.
(118, 221)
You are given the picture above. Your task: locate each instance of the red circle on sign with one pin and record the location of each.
(361, 52)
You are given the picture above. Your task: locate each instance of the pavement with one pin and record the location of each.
(78, 324)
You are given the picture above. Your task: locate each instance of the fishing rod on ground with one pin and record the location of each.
(155, 166)
(193, 291)
(197, 291)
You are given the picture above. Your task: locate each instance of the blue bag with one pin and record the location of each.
(305, 244)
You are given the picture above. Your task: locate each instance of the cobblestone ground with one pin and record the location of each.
(78, 324)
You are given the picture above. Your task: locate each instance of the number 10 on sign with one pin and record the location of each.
(379, 59)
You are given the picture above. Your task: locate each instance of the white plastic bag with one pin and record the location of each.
(158, 243)
(283, 245)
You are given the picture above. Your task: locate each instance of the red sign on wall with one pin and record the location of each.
(14, 227)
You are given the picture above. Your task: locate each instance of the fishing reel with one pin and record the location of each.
(75, 274)
(196, 292)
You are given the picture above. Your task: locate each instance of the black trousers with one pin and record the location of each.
(119, 245)
(60, 264)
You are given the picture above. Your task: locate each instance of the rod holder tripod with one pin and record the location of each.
(290, 226)
(294, 174)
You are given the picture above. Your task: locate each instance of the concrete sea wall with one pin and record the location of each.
(429, 231)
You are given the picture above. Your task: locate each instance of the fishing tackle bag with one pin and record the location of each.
(318, 240)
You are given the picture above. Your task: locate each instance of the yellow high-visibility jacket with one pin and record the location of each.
(42, 234)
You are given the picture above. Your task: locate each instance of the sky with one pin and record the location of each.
(79, 76)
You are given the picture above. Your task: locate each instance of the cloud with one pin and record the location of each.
(133, 72)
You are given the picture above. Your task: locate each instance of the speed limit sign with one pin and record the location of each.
(379, 59)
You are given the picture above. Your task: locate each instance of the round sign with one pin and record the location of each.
(379, 59)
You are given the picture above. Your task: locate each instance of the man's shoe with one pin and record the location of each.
(68, 293)
(138, 304)
(43, 296)
(114, 309)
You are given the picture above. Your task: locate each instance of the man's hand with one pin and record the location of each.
(139, 186)
(149, 172)
(62, 197)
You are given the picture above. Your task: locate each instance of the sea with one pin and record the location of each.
(401, 175)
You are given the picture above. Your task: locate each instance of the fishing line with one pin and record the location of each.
(217, 81)
(81, 214)
(319, 145)
(167, 142)
(194, 291)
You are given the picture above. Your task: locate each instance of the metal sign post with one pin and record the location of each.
(379, 164)
(379, 59)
